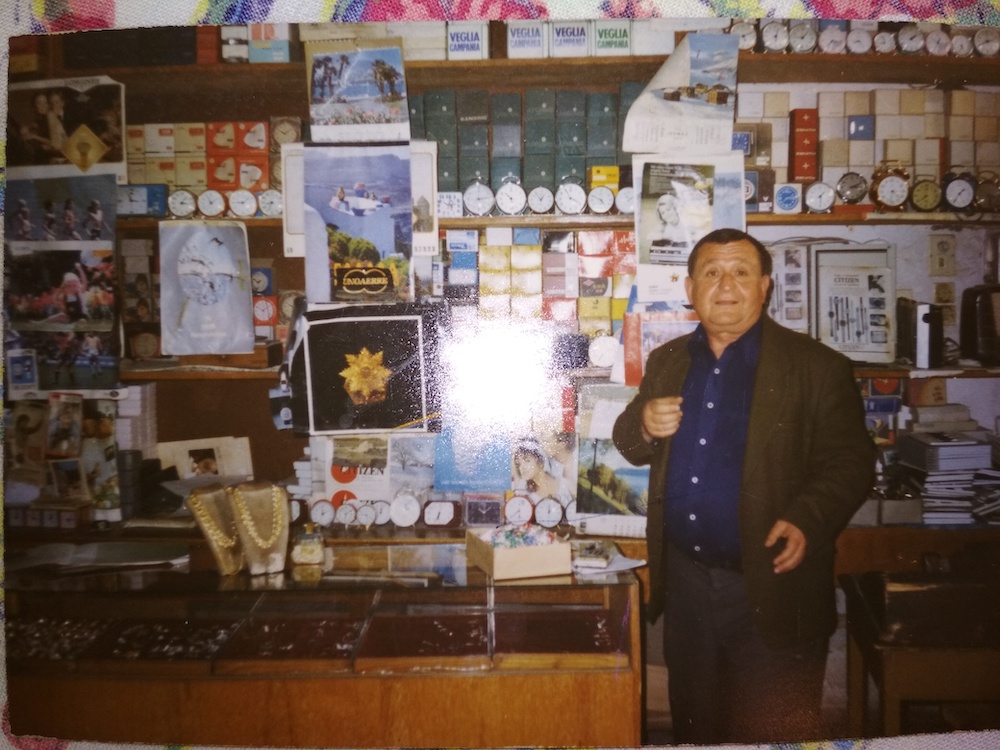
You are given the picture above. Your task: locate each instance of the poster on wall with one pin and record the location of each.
(357, 93)
(205, 296)
(66, 127)
(358, 223)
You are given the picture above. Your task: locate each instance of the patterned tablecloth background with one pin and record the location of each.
(40, 16)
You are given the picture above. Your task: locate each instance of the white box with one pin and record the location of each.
(612, 37)
(504, 563)
(468, 40)
(750, 106)
(158, 137)
(653, 36)
(569, 38)
(788, 198)
(499, 235)
(459, 240)
(527, 39)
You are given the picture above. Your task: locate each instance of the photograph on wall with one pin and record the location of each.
(65, 424)
(61, 213)
(67, 480)
(212, 459)
(66, 127)
(355, 468)
(205, 294)
(84, 360)
(854, 304)
(545, 466)
(789, 302)
(98, 453)
(26, 436)
(357, 93)
(467, 459)
(366, 374)
(675, 210)
(358, 223)
(608, 483)
(423, 186)
(411, 463)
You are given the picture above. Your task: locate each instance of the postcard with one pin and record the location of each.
(355, 468)
(208, 457)
(357, 93)
(608, 483)
(61, 213)
(205, 296)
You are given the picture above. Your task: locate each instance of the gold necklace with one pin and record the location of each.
(247, 519)
(208, 525)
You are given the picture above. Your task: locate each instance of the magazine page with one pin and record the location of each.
(689, 105)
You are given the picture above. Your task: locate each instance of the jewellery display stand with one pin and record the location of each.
(214, 513)
(261, 513)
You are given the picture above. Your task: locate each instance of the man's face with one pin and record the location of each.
(728, 288)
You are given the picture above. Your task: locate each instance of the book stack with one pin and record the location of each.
(986, 484)
(941, 467)
(942, 418)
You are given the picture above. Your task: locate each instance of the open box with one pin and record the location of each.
(503, 563)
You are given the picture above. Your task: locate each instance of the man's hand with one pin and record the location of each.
(795, 545)
(661, 417)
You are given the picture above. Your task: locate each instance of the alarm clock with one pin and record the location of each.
(322, 513)
(987, 192)
(925, 195)
(852, 187)
(802, 38)
(478, 198)
(890, 187)
(540, 200)
(600, 200)
(518, 509)
(959, 190)
(211, 203)
(442, 512)
(242, 203)
(548, 512)
(182, 203)
(271, 203)
(510, 197)
(818, 197)
(625, 200)
(746, 35)
(774, 36)
(405, 509)
(570, 197)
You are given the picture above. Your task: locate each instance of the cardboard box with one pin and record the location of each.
(503, 563)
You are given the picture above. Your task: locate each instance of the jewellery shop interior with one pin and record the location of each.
(315, 335)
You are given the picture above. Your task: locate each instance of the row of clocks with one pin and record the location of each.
(837, 37)
(512, 199)
(406, 509)
(890, 189)
(212, 204)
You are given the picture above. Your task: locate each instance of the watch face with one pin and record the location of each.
(625, 200)
(540, 200)
(859, 41)
(600, 200)
(987, 41)
(925, 195)
(518, 509)
(960, 192)
(322, 513)
(774, 36)
(242, 203)
(271, 203)
(182, 203)
(511, 198)
(852, 187)
(885, 42)
(404, 510)
(548, 512)
(478, 199)
(911, 39)
(819, 197)
(211, 203)
(938, 42)
(833, 40)
(746, 32)
(570, 198)
(802, 38)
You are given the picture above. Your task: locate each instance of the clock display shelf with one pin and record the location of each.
(152, 222)
(899, 370)
(935, 218)
(131, 371)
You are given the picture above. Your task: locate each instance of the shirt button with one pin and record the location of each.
(692, 517)
(710, 405)
(702, 441)
(697, 548)
(716, 370)
(694, 480)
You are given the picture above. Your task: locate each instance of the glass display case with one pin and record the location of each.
(198, 658)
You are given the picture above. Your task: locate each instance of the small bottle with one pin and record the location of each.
(308, 546)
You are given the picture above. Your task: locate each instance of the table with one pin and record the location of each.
(907, 672)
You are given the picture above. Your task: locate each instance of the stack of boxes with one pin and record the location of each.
(135, 429)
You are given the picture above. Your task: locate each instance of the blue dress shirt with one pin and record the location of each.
(706, 453)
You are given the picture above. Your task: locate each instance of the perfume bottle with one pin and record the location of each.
(307, 549)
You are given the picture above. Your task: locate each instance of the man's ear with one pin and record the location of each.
(688, 283)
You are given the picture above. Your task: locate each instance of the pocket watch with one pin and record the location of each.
(925, 195)
(570, 196)
(746, 34)
(242, 203)
(625, 200)
(885, 42)
(405, 509)
(818, 197)
(959, 189)
(987, 41)
(852, 187)
(774, 36)
(911, 39)
(540, 200)
(548, 512)
(211, 203)
(511, 198)
(518, 509)
(442, 513)
(890, 187)
(600, 199)
(988, 192)
(322, 513)
(182, 203)
(937, 42)
(478, 198)
(859, 41)
(802, 37)
(271, 203)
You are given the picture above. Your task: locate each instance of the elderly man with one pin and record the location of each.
(759, 457)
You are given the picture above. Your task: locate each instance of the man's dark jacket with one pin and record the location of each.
(809, 461)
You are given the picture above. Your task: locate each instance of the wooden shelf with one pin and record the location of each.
(194, 373)
(152, 222)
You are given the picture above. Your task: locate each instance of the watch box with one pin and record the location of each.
(504, 563)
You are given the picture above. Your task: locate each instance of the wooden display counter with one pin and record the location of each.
(422, 652)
